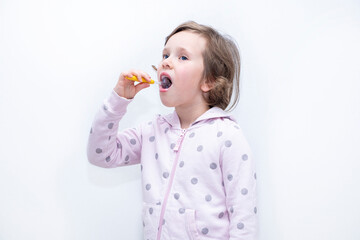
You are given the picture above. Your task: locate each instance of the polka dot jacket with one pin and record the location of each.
(197, 183)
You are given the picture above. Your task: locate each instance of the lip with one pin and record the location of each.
(164, 74)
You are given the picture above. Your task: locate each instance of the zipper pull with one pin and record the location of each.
(177, 146)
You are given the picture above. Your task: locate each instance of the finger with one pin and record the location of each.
(146, 76)
(141, 86)
(143, 76)
(124, 75)
(138, 75)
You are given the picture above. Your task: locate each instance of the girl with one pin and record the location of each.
(198, 175)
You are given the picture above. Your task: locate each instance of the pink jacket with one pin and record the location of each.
(197, 183)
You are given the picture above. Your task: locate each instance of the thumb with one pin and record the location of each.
(141, 86)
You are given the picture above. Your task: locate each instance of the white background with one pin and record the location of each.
(299, 108)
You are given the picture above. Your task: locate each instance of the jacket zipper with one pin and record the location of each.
(176, 149)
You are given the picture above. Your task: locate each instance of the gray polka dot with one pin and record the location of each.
(181, 164)
(231, 209)
(204, 231)
(98, 150)
(211, 122)
(108, 159)
(158, 203)
(151, 210)
(255, 210)
(244, 157)
(244, 191)
(109, 138)
(105, 107)
(166, 130)
(230, 177)
(119, 145)
(221, 215)
(192, 135)
(200, 148)
(110, 125)
(141, 167)
(228, 143)
(172, 146)
(255, 175)
(219, 134)
(133, 141)
(152, 138)
(127, 158)
(182, 210)
(91, 131)
(149, 123)
(165, 174)
(213, 166)
(208, 198)
(176, 196)
(148, 186)
(194, 181)
(163, 221)
(156, 156)
(240, 225)
(236, 126)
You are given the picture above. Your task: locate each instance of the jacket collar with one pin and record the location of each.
(208, 116)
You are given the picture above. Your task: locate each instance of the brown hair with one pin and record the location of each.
(221, 65)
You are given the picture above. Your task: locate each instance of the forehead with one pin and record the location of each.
(187, 40)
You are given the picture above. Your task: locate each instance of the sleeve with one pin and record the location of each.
(239, 178)
(106, 147)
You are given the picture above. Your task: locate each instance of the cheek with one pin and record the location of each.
(190, 74)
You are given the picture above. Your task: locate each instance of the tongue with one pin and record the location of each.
(165, 83)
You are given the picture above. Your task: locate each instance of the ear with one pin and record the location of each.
(206, 86)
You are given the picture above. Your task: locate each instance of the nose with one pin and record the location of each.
(167, 63)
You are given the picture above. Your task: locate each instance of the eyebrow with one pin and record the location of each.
(177, 49)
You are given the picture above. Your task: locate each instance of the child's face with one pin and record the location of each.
(182, 70)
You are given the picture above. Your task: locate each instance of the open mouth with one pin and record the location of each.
(165, 81)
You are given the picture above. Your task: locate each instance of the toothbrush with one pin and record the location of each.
(135, 79)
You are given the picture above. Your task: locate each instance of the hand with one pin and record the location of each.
(127, 88)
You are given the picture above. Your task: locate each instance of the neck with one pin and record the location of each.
(188, 115)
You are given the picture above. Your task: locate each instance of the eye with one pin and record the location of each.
(165, 56)
(183, 58)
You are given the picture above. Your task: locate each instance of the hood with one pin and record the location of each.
(211, 114)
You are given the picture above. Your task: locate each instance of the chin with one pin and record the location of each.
(166, 102)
